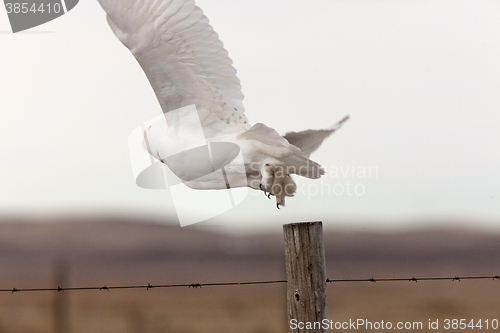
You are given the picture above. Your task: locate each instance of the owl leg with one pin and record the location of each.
(267, 180)
(278, 187)
(283, 187)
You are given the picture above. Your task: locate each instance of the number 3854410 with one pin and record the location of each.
(25, 8)
(463, 324)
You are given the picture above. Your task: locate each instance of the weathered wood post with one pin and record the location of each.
(306, 277)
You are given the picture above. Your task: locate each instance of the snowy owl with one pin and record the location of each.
(188, 66)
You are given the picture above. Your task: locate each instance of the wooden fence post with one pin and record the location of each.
(306, 277)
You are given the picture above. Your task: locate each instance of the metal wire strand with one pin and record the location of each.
(200, 285)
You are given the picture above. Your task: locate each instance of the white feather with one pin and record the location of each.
(310, 140)
(183, 59)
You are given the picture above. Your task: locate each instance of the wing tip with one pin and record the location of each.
(339, 124)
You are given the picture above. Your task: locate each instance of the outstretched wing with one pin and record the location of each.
(183, 59)
(309, 140)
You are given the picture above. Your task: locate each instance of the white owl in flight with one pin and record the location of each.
(199, 93)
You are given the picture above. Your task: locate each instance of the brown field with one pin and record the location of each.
(97, 253)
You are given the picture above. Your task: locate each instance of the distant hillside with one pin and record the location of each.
(117, 251)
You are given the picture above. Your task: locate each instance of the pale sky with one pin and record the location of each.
(420, 80)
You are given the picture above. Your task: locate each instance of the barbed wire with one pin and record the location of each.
(199, 285)
(414, 279)
(147, 287)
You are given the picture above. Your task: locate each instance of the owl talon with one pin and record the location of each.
(269, 196)
(263, 189)
(278, 205)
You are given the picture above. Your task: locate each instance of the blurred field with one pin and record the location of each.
(115, 252)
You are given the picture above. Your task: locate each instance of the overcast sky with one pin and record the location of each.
(420, 80)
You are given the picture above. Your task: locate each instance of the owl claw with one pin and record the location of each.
(263, 189)
(269, 196)
(278, 205)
